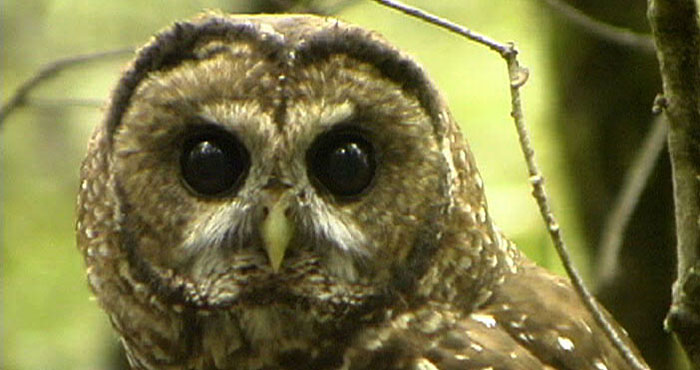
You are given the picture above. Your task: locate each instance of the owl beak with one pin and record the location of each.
(277, 231)
(276, 228)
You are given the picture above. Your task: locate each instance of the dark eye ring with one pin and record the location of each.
(213, 162)
(342, 161)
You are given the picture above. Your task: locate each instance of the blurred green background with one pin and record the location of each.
(50, 320)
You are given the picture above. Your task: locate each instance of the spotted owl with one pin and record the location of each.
(292, 192)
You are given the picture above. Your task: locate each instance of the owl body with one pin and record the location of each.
(292, 192)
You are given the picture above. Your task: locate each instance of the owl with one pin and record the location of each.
(292, 192)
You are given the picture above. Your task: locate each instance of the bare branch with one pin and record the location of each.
(538, 191)
(64, 102)
(633, 185)
(603, 30)
(518, 76)
(19, 98)
(502, 49)
(674, 24)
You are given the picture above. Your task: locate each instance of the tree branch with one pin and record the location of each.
(538, 191)
(674, 24)
(19, 98)
(494, 45)
(518, 75)
(633, 185)
(602, 30)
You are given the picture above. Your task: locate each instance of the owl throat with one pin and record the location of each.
(274, 335)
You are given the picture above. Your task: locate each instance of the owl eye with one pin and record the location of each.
(343, 162)
(213, 163)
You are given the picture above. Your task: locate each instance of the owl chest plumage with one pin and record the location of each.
(543, 327)
(267, 337)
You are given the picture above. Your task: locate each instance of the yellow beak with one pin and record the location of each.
(276, 231)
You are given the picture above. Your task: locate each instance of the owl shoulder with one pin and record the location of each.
(534, 320)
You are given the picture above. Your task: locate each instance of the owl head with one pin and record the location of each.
(250, 161)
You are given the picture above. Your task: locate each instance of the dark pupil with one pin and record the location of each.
(213, 165)
(343, 163)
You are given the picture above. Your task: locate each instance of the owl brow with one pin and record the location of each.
(176, 45)
(354, 43)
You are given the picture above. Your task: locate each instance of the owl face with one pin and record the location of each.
(269, 160)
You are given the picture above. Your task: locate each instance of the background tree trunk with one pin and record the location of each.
(605, 94)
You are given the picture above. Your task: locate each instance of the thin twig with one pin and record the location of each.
(633, 185)
(518, 76)
(19, 98)
(430, 18)
(538, 191)
(618, 35)
(64, 102)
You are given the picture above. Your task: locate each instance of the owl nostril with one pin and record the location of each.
(272, 193)
(265, 211)
(277, 183)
